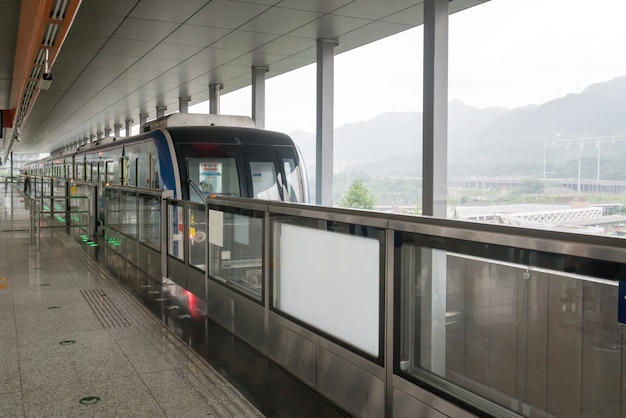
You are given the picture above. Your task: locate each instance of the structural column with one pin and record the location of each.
(160, 111)
(214, 98)
(129, 127)
(258, 95)
(325, 109)
(435, 182)
(143, 118)
(117, 129)
(435, 126)
(183, 104)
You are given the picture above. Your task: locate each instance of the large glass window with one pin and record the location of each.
(522, 336)
(209, 175)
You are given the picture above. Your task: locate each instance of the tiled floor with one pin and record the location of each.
(58, 359)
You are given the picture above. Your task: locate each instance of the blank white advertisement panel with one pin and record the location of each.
(331, 281)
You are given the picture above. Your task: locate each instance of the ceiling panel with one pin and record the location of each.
(373, 32)
(173, 52)
(285, 46)
(144, 30)
(407, 16)
(107, 24)
(123, 57)
(374, 9)
(127, 47)
(167, 10)
(212, 57)
(108, 7)
(330, 27)
(319, 6)
(113, 61)
(243, 40)
(196, 35)
(279, 21)
(226, 14)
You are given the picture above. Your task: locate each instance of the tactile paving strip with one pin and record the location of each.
(106, 310)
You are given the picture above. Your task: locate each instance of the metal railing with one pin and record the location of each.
(55, 212)
(398, 310)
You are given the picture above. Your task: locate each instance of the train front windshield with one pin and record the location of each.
(211, 175)
(269, 173)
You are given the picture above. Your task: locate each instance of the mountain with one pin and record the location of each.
(492, 141)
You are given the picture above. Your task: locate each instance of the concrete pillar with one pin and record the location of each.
(129, 127)
(183, 104)
(214, 98)
(435, 117)
(258, 95)
(143, 118)
(107, 132)
(160, 111)
(117, 129)
(324, 134)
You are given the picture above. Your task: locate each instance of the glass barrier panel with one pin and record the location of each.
(59, 187)
(128, 214)
(521, 336)
(175, 229)
(236, 250)
(197, 236)
(112, 208)
(339, 290)
(150, 221)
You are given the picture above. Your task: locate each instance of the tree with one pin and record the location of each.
(358, 197)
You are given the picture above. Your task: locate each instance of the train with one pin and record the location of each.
(194, 155)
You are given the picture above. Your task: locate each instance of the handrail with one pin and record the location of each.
(604, 248)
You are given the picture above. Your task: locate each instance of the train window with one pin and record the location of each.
(79, 171)
(264, 180)
(293, 180)
(212, 176)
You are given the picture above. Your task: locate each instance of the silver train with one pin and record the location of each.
(192, 155)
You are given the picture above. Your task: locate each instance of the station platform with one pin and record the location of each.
(75, 342)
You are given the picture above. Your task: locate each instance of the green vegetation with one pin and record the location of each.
(358, 197)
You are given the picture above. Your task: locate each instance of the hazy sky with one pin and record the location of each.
(505, 53)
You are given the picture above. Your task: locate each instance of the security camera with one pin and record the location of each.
(46, 80)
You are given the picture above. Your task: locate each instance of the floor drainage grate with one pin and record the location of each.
(106, 310)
